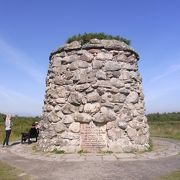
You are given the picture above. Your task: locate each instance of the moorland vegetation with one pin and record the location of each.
(86, 37)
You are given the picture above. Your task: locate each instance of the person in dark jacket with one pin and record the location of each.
(32, 133)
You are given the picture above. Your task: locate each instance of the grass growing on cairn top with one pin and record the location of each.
(86, 37)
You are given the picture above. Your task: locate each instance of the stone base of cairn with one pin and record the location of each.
(94, 100)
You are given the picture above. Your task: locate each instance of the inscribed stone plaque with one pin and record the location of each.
(93, 138)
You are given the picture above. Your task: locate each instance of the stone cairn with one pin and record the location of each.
(94, 100)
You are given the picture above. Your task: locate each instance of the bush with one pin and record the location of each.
(86, 37)
(56, 151)
(174, 116)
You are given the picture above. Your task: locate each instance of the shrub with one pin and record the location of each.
(82, 151)
(56, 151)
(86, 37)
(173, 116)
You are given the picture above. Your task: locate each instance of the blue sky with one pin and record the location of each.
(30, 30)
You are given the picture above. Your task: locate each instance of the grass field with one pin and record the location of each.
(11, 173)
(172, 176)
(166, 129)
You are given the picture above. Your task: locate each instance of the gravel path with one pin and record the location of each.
(127, 166)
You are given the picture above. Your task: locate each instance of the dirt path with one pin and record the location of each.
(96, 167)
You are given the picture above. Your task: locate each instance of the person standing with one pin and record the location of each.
(8, 125)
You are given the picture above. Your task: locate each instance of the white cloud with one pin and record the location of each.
(171, 70)
(21, 61)
(158, 93)
(14, 102)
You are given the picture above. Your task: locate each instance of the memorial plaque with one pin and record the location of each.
(93, 138)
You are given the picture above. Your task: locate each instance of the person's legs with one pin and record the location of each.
(6, 140)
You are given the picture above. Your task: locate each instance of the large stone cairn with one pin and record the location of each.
(97, 85)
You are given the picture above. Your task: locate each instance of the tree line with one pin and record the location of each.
(173, 116)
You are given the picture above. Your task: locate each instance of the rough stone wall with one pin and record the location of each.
(94, 86)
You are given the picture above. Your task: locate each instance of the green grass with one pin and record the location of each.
(82, 151)
(11, 173)
(106, 152)
(172, 176)
(56, 151)
(86, 37)
(151, 146)
(166, 129)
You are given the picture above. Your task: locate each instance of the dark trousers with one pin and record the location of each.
(6, 139)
